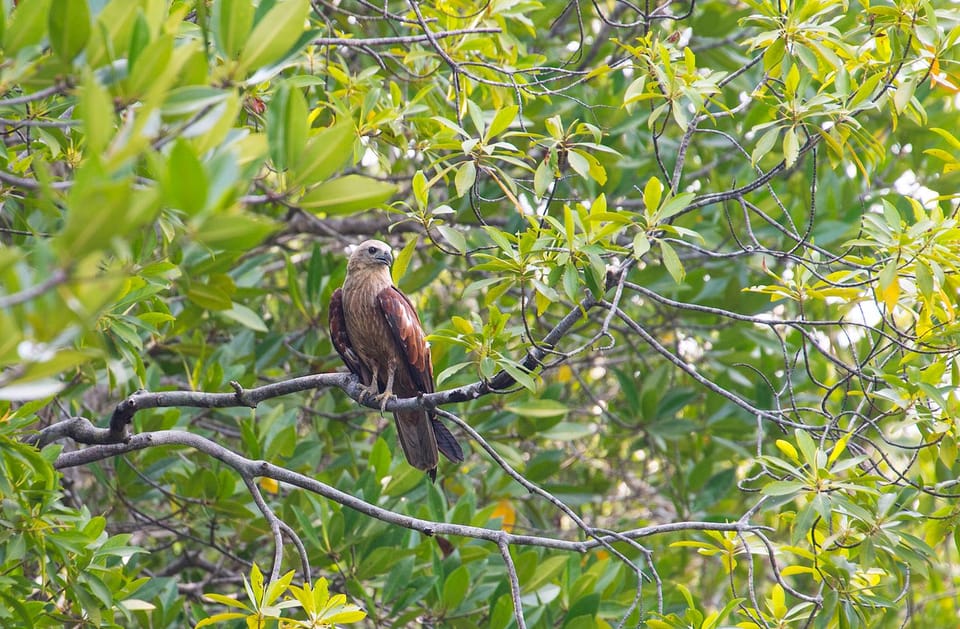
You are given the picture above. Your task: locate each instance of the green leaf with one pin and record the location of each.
(674, 205)
(579, 163)
(635, 91)
(567, 431)
(235, 232)
(402, 261)
(348, 195)
(949, 137)
(154, 68)
(571, 282)
(225, 600)
(27, 26)
(210, 297)
(325, 153)
(139, 38)
(293, 287)
(641, 245)
(287, 126)
(466, 176)
(186, 178)
(344, 614)
(245, 317)
(217, 619)
(455, 588)
(454, 237)
(421, 192)
(523, 377)
(69, 27)
(791, 146)
(542, 178)
(554, 127)
(782, 488)
(192, 99)
(231, 22)
(672, 262)
(98, 212)
(924, 280)
(652, 193)
(764, 144)
(501, 121)
(96, 111)
(538, 408)
(547, 570)
(903, 94)
(272, 36)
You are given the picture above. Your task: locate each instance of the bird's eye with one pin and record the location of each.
(372, 250)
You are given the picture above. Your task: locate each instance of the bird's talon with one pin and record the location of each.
(383, 398)
(368, 393)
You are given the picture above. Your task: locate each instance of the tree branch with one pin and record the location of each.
(80, 428)
(361, 42)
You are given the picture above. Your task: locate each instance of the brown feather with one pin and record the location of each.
(405, 326)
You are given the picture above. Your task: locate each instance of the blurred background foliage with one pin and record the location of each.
(752, 204)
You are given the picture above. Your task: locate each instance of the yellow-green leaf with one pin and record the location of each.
(219, 618)
(402, 260)
(462, 325)
(787, 448)
(652, 193)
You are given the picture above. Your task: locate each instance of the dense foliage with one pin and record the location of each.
(690, 271)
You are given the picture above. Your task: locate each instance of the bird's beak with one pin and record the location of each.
(384, 256)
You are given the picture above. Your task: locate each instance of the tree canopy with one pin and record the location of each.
(689, 271)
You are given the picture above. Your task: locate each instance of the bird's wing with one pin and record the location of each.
(341, 340)
(405, 327)
(406, 330)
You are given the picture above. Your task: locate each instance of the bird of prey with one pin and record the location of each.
(377, 333)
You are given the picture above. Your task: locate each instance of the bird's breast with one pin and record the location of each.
(366, 327)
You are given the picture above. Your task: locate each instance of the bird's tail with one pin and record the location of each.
(446, 442)
(418, 440)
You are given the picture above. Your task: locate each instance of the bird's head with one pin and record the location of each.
(371, 254)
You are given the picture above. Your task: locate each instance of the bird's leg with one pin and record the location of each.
(371, 389)
(387, 390)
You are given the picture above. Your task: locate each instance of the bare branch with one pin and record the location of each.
(514, 584)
